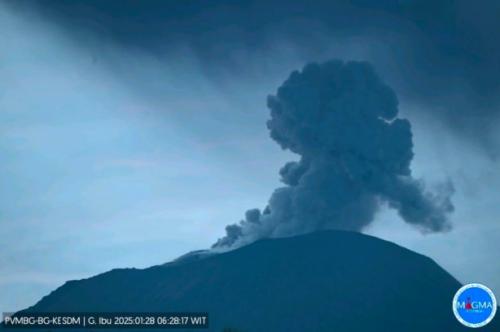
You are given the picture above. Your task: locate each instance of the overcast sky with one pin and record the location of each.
(131, 135)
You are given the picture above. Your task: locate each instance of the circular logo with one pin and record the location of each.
(474, 305)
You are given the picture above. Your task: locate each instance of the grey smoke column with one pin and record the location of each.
(355, 154)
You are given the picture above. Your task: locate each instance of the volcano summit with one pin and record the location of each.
(323, 281)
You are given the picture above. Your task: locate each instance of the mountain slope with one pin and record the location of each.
(327, 281)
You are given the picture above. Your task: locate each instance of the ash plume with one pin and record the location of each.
(355, 155)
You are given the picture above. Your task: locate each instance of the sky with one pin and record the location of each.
(131, 135)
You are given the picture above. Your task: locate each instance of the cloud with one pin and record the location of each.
(439, 55)
(355, 155)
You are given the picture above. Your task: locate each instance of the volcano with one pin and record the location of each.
(324, 281)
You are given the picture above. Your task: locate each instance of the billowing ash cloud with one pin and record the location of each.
(355, 155)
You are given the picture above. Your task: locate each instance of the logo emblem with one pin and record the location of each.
(474, 305)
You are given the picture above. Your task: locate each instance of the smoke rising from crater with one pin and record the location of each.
(355, 155)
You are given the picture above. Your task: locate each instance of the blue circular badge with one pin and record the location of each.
(474, 305)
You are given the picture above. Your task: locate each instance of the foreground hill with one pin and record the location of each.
(327, 281)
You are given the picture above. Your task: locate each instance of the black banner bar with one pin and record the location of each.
(110, 320)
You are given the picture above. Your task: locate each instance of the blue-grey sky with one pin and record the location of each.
(122, 149)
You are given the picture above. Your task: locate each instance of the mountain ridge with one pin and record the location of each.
(323, 281)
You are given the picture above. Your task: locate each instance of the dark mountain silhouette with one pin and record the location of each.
(326, 281)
